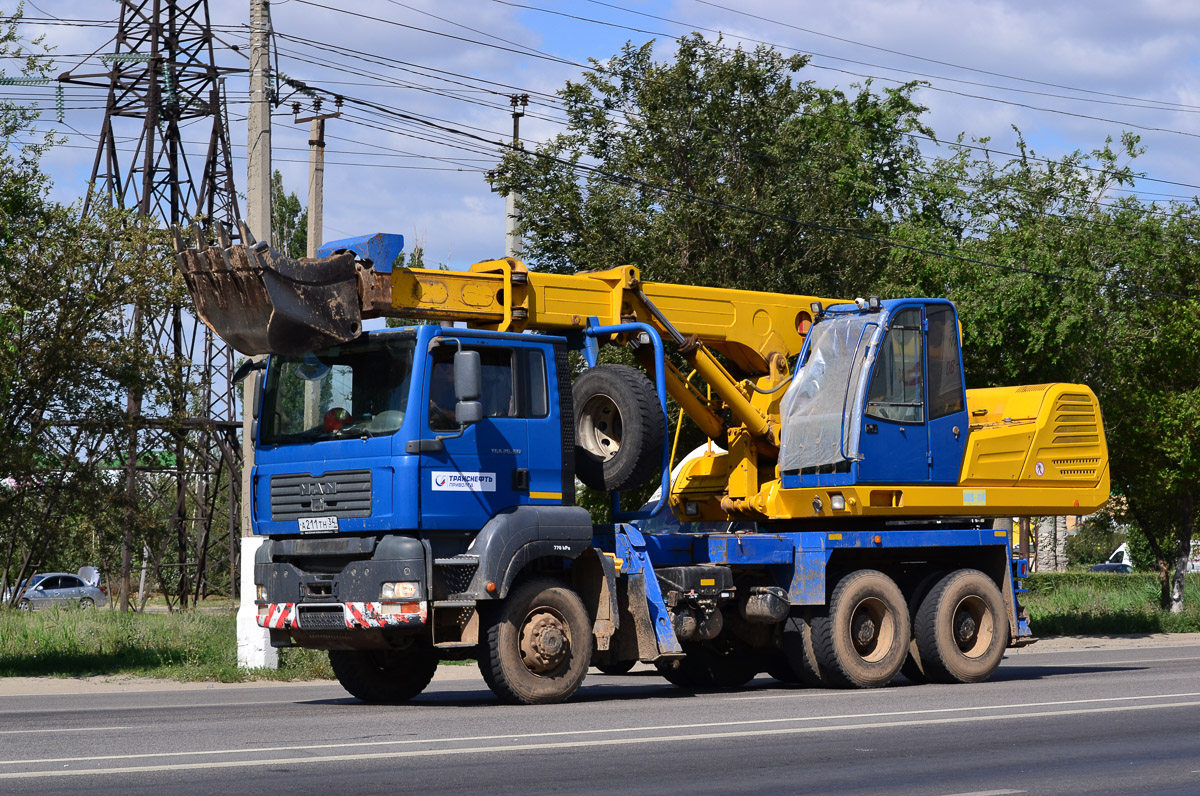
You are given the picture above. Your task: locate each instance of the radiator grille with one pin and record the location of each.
(322, 618)
(344, 494)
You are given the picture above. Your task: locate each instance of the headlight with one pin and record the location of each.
(398, 590)
(262, 592)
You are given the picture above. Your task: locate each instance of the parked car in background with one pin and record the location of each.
(1124, 569)
(62, 588)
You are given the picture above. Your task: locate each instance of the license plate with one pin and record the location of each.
(318, 523)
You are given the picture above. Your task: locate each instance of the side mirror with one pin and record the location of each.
(468, 413)
(468, 377)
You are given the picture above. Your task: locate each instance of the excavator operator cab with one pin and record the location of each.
(878, 397)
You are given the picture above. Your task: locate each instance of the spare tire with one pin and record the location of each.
(619, 428)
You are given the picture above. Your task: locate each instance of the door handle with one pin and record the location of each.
(520, 480)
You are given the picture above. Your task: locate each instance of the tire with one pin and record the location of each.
(685, 673)
(961, 628)
(862, 641)
(87, 603)
(387, 677)
(777, 665)
(619, 428)
(798, 649)
(710, 666)
(538, 644)
(24, 605)
(620, 667)
(912, 669)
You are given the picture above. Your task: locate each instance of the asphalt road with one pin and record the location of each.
(1101, 716)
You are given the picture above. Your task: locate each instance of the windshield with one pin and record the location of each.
(818, 412)
(355, 390)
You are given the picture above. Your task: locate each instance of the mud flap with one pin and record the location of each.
(262, 302)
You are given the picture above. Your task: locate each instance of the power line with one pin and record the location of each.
(382, 20)
(929, 60)
(620, 179)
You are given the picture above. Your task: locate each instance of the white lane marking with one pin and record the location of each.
(603, 742)
(1105, 663)
(975, 707)
(563, 733)
(63, 729)
(987, 793)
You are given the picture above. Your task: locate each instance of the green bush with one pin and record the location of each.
(1106, 603)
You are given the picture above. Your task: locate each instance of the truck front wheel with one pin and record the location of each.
(538, 644)
(863, 639)
(385, 676)
(961, 628)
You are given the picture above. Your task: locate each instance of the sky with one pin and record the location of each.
(1067, 73)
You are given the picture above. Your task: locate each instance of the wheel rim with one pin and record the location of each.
(24, 605)
(600, 427)
(974, 627)
(872, 631)
(545, 641)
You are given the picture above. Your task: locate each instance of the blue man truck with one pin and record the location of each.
(416, 486)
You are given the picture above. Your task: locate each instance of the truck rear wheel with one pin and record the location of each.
(961, 628)
(912, 668)
(538, 644)
(798, 649)
(863, 639)
(619, 428)
(385, 676)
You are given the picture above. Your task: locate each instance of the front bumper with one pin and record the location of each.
(342, 616)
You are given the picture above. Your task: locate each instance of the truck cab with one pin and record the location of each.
(363, 437)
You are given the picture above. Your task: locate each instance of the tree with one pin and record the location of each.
(1056, 281)
(67, 289)
(289, 220)
(694, 170)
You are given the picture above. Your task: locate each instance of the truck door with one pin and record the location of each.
(486, 469)
(894, 443)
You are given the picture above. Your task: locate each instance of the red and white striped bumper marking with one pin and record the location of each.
(372, 615)
(278, 616)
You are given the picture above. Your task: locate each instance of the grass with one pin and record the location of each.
(201, 645)
(66, 642)
(1103, 603)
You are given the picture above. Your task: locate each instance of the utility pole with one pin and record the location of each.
(254, 646)
(512, 240)
(316, 168)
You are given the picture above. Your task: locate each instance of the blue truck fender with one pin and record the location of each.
(517, 536)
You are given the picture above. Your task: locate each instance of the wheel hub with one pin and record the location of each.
(965, 628)
(600, 427)
(544, 643)
(863, 631)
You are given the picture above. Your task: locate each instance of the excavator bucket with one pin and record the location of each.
(262, 302)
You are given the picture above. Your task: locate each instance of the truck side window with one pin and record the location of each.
(945, 372)
(897, 388)
(535, 401)
(498, 396)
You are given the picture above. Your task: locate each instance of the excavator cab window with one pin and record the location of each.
(945, 369)
(898, 387)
